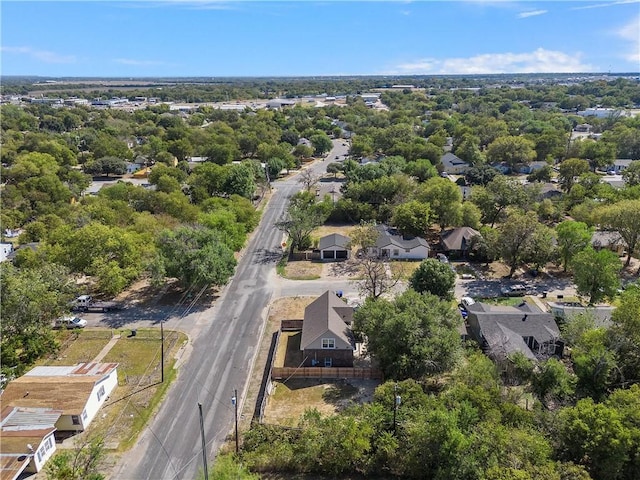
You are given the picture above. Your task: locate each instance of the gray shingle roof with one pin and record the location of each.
(326, 313)
(504, 328)
(450, 160)
(388, 236)
(458, 238)
(333, 240)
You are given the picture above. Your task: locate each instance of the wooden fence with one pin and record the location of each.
(279, 373)
(290, 325)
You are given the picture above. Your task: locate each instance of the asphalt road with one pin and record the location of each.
(224, 342)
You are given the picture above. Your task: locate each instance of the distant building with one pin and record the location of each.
(453, 164)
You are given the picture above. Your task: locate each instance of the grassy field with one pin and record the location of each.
(404, 269)
(291, 398)
(302, 270)
(139, 390)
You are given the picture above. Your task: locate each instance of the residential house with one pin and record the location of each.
(566, 310)
(503, 330)
(326, 336)
(77, 391)
(453, 164)
(334, 247)
(531, 167)
(502, 168)
(5, 250)
(583, 128)
(391, 245)
(549, 190)
(457, 242)
(27, 440)
(610, 240)
(620, 165)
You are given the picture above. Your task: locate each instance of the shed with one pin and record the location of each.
(334, 247)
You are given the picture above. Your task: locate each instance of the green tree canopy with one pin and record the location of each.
(596, 273)
(412, 336)
(435, 277)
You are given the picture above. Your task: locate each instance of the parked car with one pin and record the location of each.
(467, 301)
(442, 258)
(70, 322)
(514, 290)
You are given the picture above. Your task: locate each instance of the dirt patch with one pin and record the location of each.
(348, 268)
(291, 398)
(495, 270)
(303, 270)
(288, 308)
(328, 229)
(403, 270)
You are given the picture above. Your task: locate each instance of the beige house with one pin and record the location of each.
(326, 335)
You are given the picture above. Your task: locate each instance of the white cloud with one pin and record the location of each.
(141, 63)
(631, 33)
(538, 61)
(41, 55)
(604, 5)
(532, 13)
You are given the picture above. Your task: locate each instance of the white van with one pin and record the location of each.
(467, 301)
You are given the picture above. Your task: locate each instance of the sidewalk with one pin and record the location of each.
(106, 348)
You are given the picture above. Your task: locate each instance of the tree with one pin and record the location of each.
(303, 216)
(334, 168)
(624, 218)
(625, 335)
(571, 169)
(240, 180)
(196, 256)
(412, 336)
(302, 151)
(82, 463)
(481, 175)
(594, 435)
(631, 174)
(540, 248)
(31, 299)
(552, 384)
(599, 153)
(321, 143)
(106, 166)
(422, 169)
(500, 193)
(308, 179)
(511, 150)
(444, 198)
(275, 166)
(435, 277)
(470, 215)
(573, 237)
(596, 273)
(514, 238)
(412, 218)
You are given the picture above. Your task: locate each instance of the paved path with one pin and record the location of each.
(107, 347)
(223, 342)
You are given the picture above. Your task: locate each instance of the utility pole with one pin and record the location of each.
(234, 402)
(161, 352)
(396, 403)
(204, 444)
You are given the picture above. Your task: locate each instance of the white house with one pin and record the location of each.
(391, 245)
(5, 250)
(334, 247)
(77, 391)
(620, 165)
(27, 440)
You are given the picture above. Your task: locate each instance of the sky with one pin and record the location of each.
(217, 38)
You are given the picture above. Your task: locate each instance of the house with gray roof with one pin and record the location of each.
(326, 334)
(391, 245)
(601, 314)
(453, 164)
(334, 247)
(27, 439)
(610, 240)
(504, 330)
(457, 242)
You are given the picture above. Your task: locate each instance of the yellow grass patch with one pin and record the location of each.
(302, 270)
